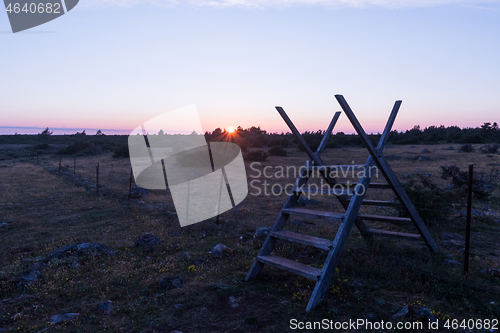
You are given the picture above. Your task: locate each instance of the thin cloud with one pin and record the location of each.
(290, 3)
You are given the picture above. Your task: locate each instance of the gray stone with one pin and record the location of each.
(423, 158)
(63, 317)
(262, 232)
(179, 306)
(38, 266)
(494, 272)
(172, 282)
(186, 255)
(426, 151)
(302, 202)
(147, 240)
(473, 212)
(427, 314)
(219, 250)
(29, 277)
(75, 264)
(4, 224)
(401, 313)
(216, 286)
(80, 250)
(138, 192)
(451, 262)
(105, 307)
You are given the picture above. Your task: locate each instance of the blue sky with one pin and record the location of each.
(116, 64)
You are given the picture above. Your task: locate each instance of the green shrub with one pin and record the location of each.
(277, 151)
(467, 148)
(489, 149)
(41, 146)
(432, 202)
(121, 151)
(257, 155)
(77, 147)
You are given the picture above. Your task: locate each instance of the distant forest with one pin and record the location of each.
(259, 138)
(255, 137)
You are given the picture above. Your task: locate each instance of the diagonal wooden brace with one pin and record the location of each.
(386, 170)
(350, 217)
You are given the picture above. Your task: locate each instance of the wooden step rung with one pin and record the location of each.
(319, 243)
(386, 233)
(314, 213)
(382, 203)
(340, 168)
(391, 219)
(332, 191)
(372, 185)
(309, 272)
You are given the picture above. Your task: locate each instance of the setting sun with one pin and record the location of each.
(230, 129)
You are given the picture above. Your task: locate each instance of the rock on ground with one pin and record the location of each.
(302, 202)
(147, 240)
(80, 250)
(172, 282)
(105, 307)
(138, 192)
(63, 317)
(220, 249)
(401, 313)
(262, 232)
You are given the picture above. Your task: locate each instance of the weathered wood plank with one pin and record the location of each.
(385, 233)
(319, 243)
(313, 214)
(372, 185)
(341, 168)
(391, 219)
(382, 203)
(292, 266)
(319, 192)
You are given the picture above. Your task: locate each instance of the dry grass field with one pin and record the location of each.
(43, 209)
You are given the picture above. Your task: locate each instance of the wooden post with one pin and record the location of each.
(60, 160)
(74, 166)
(97, 178)
(130, 183)
(467, 226)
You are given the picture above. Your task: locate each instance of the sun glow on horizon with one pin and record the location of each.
(230, 130)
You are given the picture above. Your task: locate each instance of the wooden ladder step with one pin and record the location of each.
(314, 213)
(391, 219)
(309, 272)
(382, 203)
(340, 168)
(372, 185)
(385, 233)
(319, 243)
(316, 192)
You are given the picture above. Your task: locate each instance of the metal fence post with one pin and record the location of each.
(97, 178)
(467, 226)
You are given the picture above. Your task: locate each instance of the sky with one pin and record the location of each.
(115, 64)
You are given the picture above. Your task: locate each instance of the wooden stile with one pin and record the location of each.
(350, 199)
